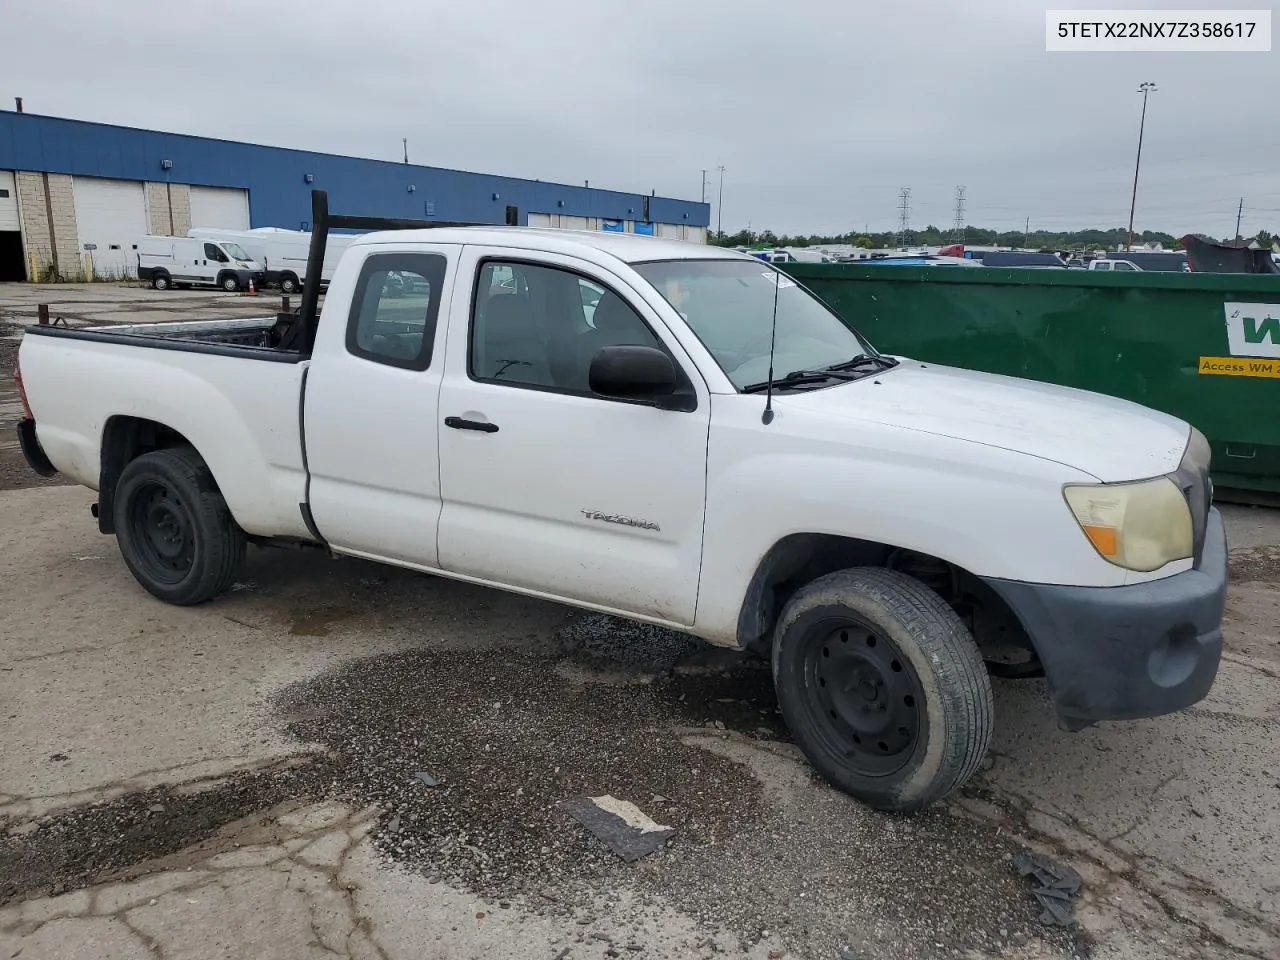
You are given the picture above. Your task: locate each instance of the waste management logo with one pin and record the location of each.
(1253, 338)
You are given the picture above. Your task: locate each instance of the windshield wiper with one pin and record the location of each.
(863, 359)
(797, 378)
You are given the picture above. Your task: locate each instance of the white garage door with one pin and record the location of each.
(8, 202)
(671, 231)
(219, 207)
(542, 220)
(110, 217)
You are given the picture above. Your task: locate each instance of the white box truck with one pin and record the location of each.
(182, 262)
(282, 253)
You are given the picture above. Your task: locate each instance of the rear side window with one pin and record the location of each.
(393, 312)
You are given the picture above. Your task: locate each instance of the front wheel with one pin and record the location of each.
(882, 687)
(230, 284)
(175, 532)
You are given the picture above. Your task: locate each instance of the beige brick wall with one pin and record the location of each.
(62, 204)
(158, 211)
(161, 203)
(181, 209)
(41, 245)
(35, 223)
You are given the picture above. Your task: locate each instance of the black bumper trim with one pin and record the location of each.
(34, 454)
(1120, 653)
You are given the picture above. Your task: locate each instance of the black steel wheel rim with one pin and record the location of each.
(163, 532)
(865, 698)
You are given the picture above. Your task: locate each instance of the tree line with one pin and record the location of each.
(978, 236)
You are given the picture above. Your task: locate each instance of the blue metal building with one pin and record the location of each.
(74, 193)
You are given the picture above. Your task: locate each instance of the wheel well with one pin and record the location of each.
(125, 439)
(801, 558)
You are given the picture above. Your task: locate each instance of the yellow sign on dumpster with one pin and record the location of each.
(1239, 367)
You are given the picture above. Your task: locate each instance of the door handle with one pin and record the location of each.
(459, 424)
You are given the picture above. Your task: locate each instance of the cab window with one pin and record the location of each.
(539, 326)
(394, 310)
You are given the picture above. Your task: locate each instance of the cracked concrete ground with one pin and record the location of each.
(1173, 822)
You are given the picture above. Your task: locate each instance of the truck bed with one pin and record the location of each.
(255, 338)
(199, 379)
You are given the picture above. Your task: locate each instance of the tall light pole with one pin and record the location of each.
(720, 204)
(1144, 89)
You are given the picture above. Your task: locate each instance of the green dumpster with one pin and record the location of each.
(1203, 347)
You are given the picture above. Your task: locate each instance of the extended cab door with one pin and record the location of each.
(371, 403)
(547, 486)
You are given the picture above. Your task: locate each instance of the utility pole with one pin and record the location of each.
(1239, 214)
(720, 204)
(958, 228)
(1026, 234)
(405, 141)
(1144, 88)
(904, 215)
(704, 186)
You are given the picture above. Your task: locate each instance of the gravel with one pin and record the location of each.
(509, 735)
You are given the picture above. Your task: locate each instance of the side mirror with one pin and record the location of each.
(643, 374)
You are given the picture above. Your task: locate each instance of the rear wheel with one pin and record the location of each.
(230, 283)
(174, 529)
(288, 283)
(882, 687)
(161, 281)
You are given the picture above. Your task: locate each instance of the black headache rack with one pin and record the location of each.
(297, 331)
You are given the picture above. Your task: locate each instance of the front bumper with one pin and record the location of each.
(34, 454)
(1119, 653)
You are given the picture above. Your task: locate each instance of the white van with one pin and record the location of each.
(282, 253)
(182, 261)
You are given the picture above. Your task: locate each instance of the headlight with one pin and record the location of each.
(1138, 526)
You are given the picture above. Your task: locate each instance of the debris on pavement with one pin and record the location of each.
(619, 824)
(427, 779)
(1058, 885)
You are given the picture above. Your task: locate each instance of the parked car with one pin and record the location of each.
(712, 451)
(1113, 266)
(167, 262)
(1075, 263)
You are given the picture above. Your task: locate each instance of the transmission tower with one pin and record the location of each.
(904, 215)
(958, 229)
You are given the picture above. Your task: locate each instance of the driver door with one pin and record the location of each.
(545, 486)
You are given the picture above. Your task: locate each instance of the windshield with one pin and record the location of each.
(235, 251)
(729, 305)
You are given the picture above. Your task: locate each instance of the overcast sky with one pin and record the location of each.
(820, 110)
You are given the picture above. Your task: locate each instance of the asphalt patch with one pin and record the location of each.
(75, 848)
(510, 736)
(1259, 564)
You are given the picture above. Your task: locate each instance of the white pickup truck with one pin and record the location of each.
(590, 418)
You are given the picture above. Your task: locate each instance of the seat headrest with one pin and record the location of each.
(613, 315)
(506, 315)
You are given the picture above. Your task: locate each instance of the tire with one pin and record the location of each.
(882, 687)
(175, 532)
(289, 284)
(161, 281)
(229, 283)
